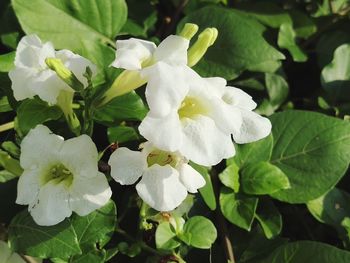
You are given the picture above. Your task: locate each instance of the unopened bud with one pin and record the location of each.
(200, 47)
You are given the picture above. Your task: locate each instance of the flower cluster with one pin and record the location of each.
(190, 119)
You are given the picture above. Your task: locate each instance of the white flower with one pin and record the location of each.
(140, 58)
(166, 176)
(31, 76)
(7, 256)
(199, 120)
(60, 177)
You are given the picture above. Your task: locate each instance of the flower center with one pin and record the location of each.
(162, 158)
(191, 107)
(58, 174)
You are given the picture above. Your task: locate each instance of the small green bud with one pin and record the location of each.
(200, 47)
(64, 73)
(188, 31)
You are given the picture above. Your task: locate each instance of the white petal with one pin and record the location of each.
(161, 188)
(5, 252)
(40, 147)
(164, 132)
(254, 128)
(21, 79)
(190, 178)
(47, 85)
(237, 97)
(28, 186)
(15, 258)
(32, 53)
(172, 50)
(127, 166)
(131, 53)
(52, 205)
(77, 64)
(204, 143)
(80, 156)
(166, 87)
(89, 194)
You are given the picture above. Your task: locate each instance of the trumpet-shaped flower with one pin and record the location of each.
(60, 176)
(166, 176)
(136, 55)
(198, 122)
(7, 256)
(31, 76)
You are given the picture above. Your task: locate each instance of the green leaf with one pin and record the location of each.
(127, 107)
(241, 38)
(10, 164)
(253, 152)
(312, 149)
(333, 209)
(263, 178)
(199, 232)
(6, 176)
(307, 251)
(165, 237)
(122, 134)
(96, 227)
(286, 39)
(335, 77)
(32, 112)
(230, 177)
(239, 209)
(66, 23)
(5, 105)
(59, 241)
(269, 218)
(6, 61)
(303, 26)
(207, 191)
(94, 256)
(277, 88)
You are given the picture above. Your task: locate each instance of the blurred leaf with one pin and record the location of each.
(286, 39)
(26, 237)
(335, 77)
(6, 176)
(10, 164)
(127, 107)
(263, 178)
(66, 23)
(303, 26)
(6, 61)
(122, 134)
(207, 191)
(277, 88)
(312, 149)
(240, 37)
(4, 105)
(307, 251)
(199, 232)
(230, 177)
(269, 218)
(32, 112)
(165, 237)
(239, 209)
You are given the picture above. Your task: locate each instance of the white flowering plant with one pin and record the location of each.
(174, 131)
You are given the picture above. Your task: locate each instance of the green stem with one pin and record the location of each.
(7, 126)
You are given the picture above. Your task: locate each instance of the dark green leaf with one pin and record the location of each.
(239, 209)
(199, 232)
(32, 112)
(240, 37)
(312, 149)
(122, 134)
(263, 178)
(269, 218)
(26, 237)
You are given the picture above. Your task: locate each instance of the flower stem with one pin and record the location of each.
(220, 220)
(7, 126)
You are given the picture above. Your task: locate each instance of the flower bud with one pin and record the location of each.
(64, 73)
(188, 31)
(200, 47)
